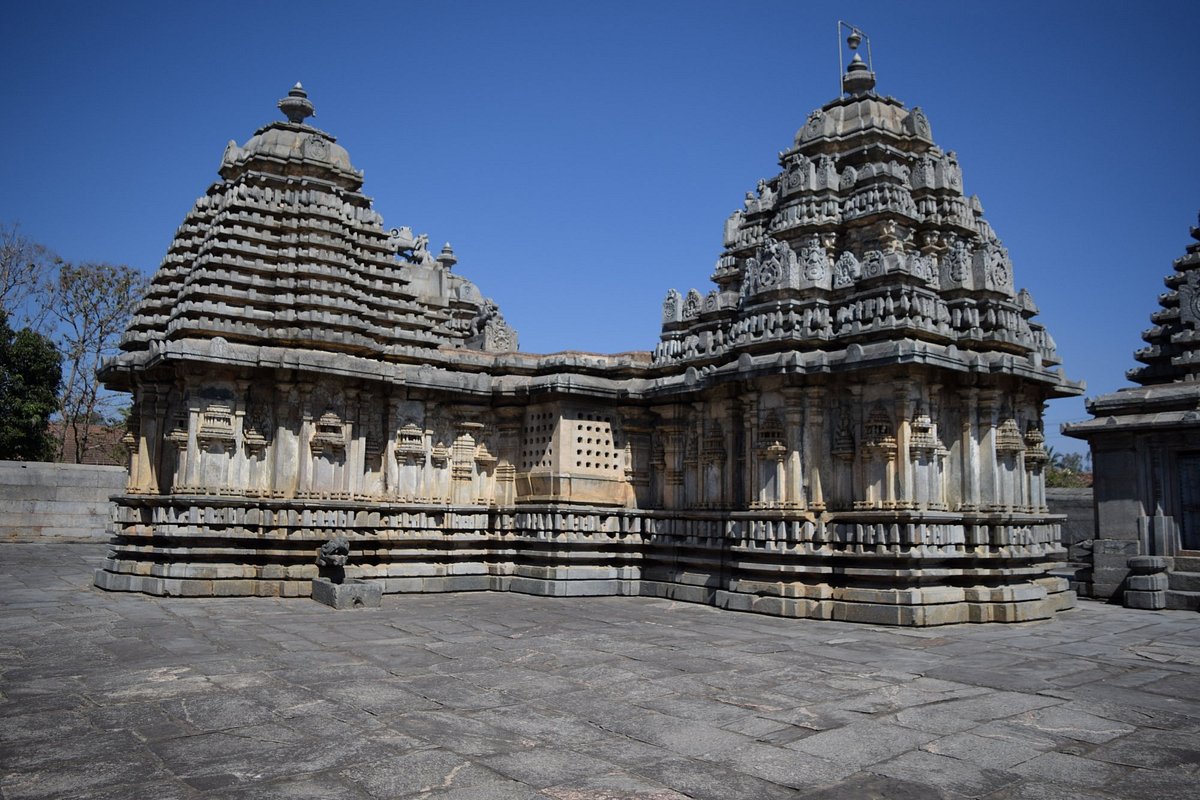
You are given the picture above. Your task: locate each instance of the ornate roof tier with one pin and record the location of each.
(864, 236)
(285, 249)
(1173, 344)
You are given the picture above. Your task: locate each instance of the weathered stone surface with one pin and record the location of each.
(848, 426)
(107, 695)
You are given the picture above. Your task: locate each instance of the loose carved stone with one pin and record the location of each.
(847, 426)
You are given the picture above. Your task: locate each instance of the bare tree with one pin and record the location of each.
(26, 269)
(93, 303)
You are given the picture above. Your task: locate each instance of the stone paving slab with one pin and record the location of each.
(477, 696)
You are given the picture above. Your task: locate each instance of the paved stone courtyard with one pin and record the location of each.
(508, 696)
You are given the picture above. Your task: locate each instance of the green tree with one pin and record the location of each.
(1067, 470)
(30, 374)
(93, 304)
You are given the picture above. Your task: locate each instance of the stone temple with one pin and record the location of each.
(846, 425)
(1145, 443)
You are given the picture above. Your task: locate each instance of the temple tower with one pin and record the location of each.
(1145, 443)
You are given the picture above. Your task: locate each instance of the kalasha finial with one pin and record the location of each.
(296, 106)
(859, 77)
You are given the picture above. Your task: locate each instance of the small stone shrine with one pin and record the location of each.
(847, 425)
(1145, 443)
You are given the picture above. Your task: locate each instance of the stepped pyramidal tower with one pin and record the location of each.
(847, 425)
(1145, 443)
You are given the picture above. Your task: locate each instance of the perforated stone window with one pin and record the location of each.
(537, 441)
(594, 451)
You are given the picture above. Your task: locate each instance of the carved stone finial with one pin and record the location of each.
(447, 258)
(296, 106)
(858, 79)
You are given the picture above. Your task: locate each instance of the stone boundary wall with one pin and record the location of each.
(62, 501)
(1078, 532)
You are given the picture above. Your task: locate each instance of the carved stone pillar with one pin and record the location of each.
(508, 428)
(637, 427)
(673, 433)
(239, 467)
(750, 442)
(694, 494)
(304, 467)
(814, 449)
(858, 475)
(938, 489)
(904, 466)
(285, 457)
(794, 424)
(969, 449)
(193, 478)
(355, 436)
(152, 405)
(989, 468)
(736, 448)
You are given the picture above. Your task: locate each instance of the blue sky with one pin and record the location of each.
(582, 157)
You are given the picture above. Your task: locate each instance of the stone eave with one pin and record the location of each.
(1160, 422)
(1180, 396)
(519, 375)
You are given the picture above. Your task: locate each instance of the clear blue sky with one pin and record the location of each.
(582, 157)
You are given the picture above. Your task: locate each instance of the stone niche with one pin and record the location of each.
(847, 425)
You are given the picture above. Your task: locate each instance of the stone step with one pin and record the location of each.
(1189, 601)
(1187, 563)
(1183, 581)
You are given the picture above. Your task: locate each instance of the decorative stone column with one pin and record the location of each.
(285, 451)
(989, 409)
(508, 428)
(904, 465)
(969, 450)
(749, 443)
(814, 445)
(794, 441)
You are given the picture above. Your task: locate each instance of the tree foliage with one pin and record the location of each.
(26, 269)
(30, 375)
(93, 304)
(1068, 470)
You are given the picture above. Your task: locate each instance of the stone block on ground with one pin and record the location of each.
(353, 593)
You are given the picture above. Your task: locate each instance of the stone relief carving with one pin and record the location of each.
(672, 307)
(917, 123)
(957, 261)
(773, 261)
(216, 427)
(814, 259)
(997, 270)
(846, 270)
(329, 435)
(797, 177)
(316, 148)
